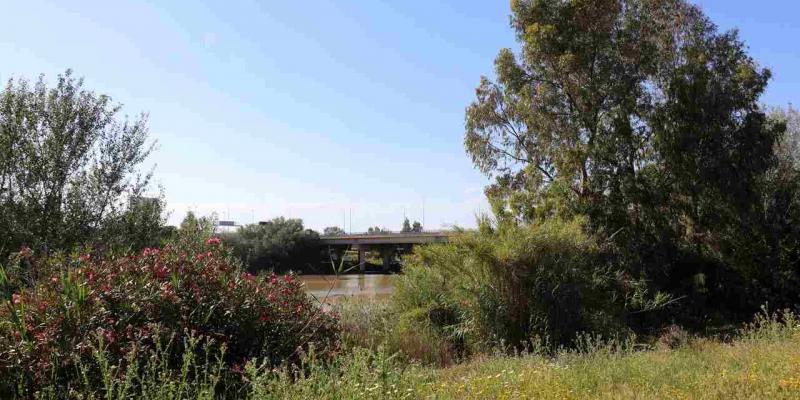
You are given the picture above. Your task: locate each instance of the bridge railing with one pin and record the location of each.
(395, 233)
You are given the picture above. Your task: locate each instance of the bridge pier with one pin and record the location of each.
(362, 258)
(387, 252)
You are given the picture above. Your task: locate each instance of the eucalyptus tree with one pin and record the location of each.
(639, 114)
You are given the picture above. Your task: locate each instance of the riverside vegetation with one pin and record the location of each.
(186, 321)
(644, 241)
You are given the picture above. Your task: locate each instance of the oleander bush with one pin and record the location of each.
(50, 330)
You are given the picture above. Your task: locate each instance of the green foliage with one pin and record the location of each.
(279, 244)
(142, 224)
(761, 364)
(379, 326)
(193, 231)
(511, 284)
(603, 104)
(361, 374)
(643, 117)
(148, 373)
(70, 169)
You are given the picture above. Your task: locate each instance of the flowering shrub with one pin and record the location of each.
(158, 296)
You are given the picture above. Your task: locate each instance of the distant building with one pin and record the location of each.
(142, 201)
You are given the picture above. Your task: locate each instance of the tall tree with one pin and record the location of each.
(610, 98)
(639, 114)
(69, 164)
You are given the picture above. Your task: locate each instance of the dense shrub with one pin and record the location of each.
(511, 284)
(133, 303)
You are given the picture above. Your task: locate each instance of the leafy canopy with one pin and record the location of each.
(619, 108)
(642, 116)
(70, 168)
(279, 244)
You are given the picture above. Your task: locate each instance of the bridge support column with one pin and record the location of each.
(387, 252)
(362, 259)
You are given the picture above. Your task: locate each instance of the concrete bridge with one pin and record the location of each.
(388, 243)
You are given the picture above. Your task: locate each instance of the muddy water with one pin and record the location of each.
(330, 288)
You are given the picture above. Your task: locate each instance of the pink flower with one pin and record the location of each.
(214, 241)
(108, 335)
(41, 337)
(150, 252)
(16, 299)
(161, 271)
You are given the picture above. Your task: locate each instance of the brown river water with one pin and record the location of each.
(330, 288)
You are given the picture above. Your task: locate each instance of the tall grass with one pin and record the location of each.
(510, 284)
(376, 324)
(762, 362)
(154, 376)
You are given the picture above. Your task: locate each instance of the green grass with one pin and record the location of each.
(759, 369)
(763, 362)
(754, 368)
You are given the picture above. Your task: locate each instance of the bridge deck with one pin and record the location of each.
(386, 238)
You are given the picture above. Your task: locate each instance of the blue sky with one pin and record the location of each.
(312, 109)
